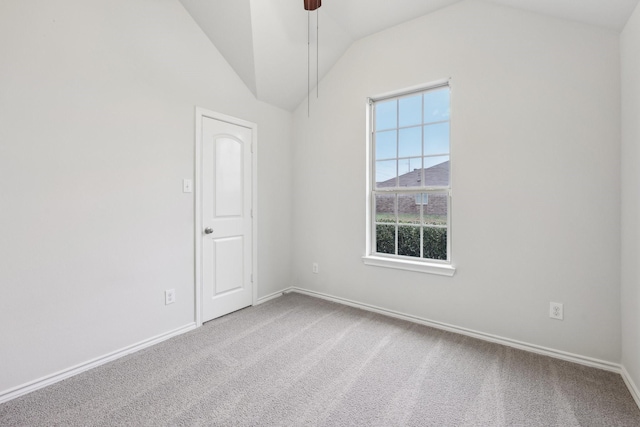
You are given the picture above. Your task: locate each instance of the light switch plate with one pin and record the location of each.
(187, 186)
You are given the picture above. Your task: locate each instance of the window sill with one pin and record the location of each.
(401, 264)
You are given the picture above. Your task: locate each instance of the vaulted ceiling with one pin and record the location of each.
(266, 41)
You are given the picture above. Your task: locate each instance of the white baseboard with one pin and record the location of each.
(533, 348)
(23, 389)
(270, 297)
(633, 389)
(10, 394)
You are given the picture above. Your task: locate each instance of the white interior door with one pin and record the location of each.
(226, 203)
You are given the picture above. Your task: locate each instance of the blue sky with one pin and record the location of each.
(411, 133)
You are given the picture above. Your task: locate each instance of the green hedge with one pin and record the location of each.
(434, 242)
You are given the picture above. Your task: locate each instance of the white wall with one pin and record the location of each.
(96, 134)
(630, 55)
(536, 206)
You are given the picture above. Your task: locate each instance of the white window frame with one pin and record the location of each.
(432, 266)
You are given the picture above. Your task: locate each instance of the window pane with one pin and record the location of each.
(386, 239)
(386, 115)
(436, 139)
(410, 142)
(411, 111)
(409, 240)
(436, 105)
(408, 210)
(436, 171)
(410, 172)
(434, 243)
(386, 208)
(386, 173)
(434, 210)
(386, 146)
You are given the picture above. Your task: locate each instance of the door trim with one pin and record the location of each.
(202, 113)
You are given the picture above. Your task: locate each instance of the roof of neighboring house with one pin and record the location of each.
(434, 176)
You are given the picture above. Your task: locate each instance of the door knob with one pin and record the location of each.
(208, 230)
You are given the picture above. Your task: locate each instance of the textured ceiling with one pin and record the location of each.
(265, 41)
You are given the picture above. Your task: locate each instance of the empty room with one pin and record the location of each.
(320, 213)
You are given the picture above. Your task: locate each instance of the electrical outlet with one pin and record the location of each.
(169, 296)
(556, 310)
(315, 268)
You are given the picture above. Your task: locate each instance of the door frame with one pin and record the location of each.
(201, 114)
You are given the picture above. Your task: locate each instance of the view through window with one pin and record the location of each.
(411, 175)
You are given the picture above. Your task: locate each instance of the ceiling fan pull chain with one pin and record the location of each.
(317, 53)
(308, 64)
(310, 5)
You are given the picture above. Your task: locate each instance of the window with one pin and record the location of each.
(422, 199)
(410, 180)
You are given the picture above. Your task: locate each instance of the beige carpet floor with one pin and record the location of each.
(303, 361)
